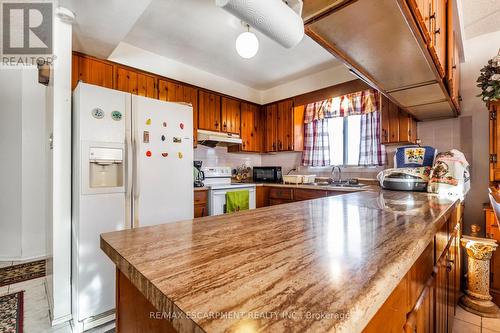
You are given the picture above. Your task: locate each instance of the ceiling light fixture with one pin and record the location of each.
(247, 44)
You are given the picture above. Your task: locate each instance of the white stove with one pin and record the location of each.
(218, 180)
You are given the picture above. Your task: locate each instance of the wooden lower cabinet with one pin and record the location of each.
(200, 203)
(261, 196)
(280, 195)
(426, 298)
(137, 318)
(493, 232)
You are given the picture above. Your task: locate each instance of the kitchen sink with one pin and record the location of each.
(345, 183)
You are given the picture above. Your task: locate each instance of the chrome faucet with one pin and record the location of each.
(337, 179)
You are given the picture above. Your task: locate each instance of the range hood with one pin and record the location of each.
(212, 139)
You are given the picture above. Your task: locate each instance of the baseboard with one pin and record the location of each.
(30, 258)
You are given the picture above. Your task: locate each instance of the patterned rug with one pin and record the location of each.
(11, 313)
(22, 272)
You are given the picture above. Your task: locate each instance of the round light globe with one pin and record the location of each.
(247, 45)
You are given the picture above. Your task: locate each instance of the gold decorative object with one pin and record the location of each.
(477, 298)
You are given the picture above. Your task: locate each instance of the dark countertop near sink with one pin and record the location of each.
(319, 265)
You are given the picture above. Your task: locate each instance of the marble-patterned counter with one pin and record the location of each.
(320, 265)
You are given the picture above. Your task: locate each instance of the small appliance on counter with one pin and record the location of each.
(267, 174)
(404, 179)
(199, 176)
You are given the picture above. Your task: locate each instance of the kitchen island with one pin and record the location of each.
(348, 263)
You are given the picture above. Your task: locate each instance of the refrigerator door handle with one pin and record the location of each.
(136, 171)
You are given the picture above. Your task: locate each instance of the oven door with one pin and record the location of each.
(217, 199)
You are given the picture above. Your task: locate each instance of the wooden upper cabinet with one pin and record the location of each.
(230, 115)
(271, 120)
(437, 45)
(135, 82)
(404, 126)
(175, 92)
(393, 123)
(494, 142)
(397, 125)
(285, 126)
(385, 118)
(422, 12)
(250, 134)
(94, 71)
(209, 111)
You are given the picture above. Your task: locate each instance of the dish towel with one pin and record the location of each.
(450, 174)
(237, 200)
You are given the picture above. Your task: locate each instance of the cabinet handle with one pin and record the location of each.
(224, 125)
(450, 264)
(216, 124)
(274, 146)
(454, 66)
(437, 31)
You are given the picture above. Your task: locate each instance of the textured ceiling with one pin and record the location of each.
(194, 32)
(480, 17)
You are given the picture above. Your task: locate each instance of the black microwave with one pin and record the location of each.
(271, 174)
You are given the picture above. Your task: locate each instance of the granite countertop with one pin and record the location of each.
(320, 265)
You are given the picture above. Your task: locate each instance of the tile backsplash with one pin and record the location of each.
(287, 160)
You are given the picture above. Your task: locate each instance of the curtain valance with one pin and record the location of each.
(357, 103)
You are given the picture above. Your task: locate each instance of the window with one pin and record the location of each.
(344, 135)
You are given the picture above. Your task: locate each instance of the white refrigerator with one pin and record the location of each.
(132, 167)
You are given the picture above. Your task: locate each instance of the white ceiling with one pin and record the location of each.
(194, 32)
(480, 17)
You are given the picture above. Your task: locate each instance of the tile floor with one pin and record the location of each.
(36, 311)
(36, 306)
(466, 322)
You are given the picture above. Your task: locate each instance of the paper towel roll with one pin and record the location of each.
(273, 18)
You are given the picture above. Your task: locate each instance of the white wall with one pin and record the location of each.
(59, 176)
(469, 132)
(10, 164)
(312, 82)
(22, 165)
(34, 144)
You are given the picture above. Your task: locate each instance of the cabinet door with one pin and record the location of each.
(413, 130)
(135, 82)
(421, 319)
(494, 143)
(393, 122)
(438, 34)
(249, 114)
(209, 117)
(126, 80)
(285, 126)
(230, 113)
(176, 92)
(493, 232)
(421, 9)
(404, 126)
(441, 297)
(146, 86)
(97, 72)
(385, 118)
(271, 116)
